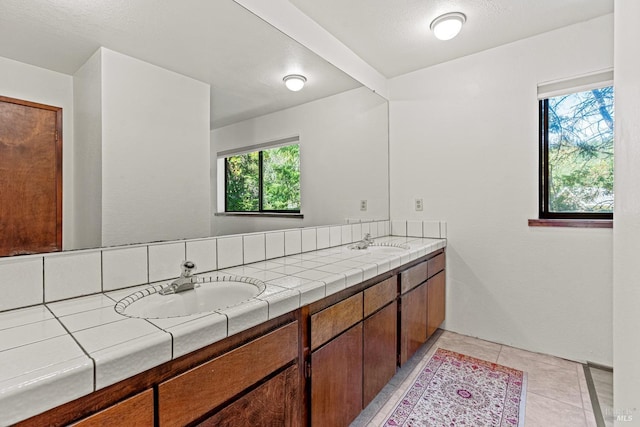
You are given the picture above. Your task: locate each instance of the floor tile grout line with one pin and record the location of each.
(597, 410)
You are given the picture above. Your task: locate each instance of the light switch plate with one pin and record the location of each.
(419, 204)
(363, 205)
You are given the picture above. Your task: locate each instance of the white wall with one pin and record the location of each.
(464, 138)
(26, 82)
(343, 159)
(87, 98)
(155, 153)
(626, 249)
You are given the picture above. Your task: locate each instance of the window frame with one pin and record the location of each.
(543, 174)
(260, 184)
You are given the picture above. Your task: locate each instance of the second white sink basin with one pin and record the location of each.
(385, 248)
(219, 293)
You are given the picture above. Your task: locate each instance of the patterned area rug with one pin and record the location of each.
(458, 390)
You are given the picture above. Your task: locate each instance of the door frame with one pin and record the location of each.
(58, 141)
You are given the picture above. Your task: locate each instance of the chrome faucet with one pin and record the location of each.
(183, 283)
(365, 242)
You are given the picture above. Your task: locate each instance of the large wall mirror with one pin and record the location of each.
(154, 93)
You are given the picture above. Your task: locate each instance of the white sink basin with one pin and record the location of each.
(215, 293)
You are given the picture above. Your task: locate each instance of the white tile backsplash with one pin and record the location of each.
(71, 274)
(414, 228)
(292, 242)
(78, 273)
(431, 229)
(275, 244)
(254, 248)
(443, 229)
(346, 234)
(203, 253)
(323, 237)
(309, 239)
(229, 251)
(398, 228)
(25, 274)
(335, 235)
(124, 267)
(165, 260)
(366, 228)
(356, 232)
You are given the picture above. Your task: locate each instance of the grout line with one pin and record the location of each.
(499, 353)
(597, 411)
(101, 271)
(79, 345)
(43, 285)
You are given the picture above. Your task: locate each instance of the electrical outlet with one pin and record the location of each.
(363, 205)
(419, 204)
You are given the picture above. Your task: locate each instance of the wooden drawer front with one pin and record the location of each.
(379, 295)
(413, 276)
(436, 264)
(333, 320)
(189, 396)
(135, 411)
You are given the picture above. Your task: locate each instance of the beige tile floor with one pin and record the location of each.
(557, 393)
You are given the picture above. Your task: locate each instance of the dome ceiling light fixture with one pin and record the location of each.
(447, 26)
(294, 82)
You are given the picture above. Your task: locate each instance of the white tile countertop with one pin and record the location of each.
(58, 351)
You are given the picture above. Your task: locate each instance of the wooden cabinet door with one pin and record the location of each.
(135, 411)
(435, 302)
(413, 321)
(336, 380)
(30, 177)
(380, 348)
(274, 403)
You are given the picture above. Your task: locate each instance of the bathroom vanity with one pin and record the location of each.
(318, 365)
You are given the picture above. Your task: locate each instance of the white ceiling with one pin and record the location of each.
(244, 59)
(393, 36)
(215, 41)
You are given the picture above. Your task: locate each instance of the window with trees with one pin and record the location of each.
(266, 180)
(576, 155)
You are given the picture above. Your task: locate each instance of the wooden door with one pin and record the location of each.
(30, 177)
(413, 321)
(336, 380)
(380, 348)
(435, 302)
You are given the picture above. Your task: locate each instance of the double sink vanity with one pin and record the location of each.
(314, 358)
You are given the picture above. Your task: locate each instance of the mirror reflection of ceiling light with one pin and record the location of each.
(294, 82)
(447, 26)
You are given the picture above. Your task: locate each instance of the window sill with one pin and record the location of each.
(262, 214)
(579, 223)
